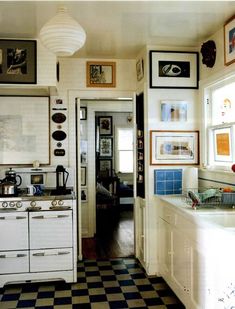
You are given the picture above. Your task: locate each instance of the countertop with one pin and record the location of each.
(222, 218)
(48, 194)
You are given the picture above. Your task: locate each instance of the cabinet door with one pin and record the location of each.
(200, 285)
(13, 231)
(50, 229)
(181, 261)
(165, 247)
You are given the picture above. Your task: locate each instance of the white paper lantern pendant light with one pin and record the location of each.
(62, 34)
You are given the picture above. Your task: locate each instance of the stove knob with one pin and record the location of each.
(18, 204)
(32, 204)
(54, 203)
(4, 204)
(12, 204)
(61, 203)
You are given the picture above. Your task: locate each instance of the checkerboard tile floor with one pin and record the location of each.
(101, 284)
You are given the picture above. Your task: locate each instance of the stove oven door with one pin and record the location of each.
(50, 229)
(13, 231)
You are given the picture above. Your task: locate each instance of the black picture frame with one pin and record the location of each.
(105, 168)
(174, 69)
(18, 61)
(106, 147)
(83, 113)
(105, 124)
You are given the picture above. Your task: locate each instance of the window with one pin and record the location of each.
(221, 125)
(124, 153)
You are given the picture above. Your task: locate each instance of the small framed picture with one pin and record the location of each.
(83, 113)
(83, 175)
(105, 168)
(229, 41)
(105, 124)
(174, 111)
(18, 61)
(84, 195)
(106, 147)
(140, 69)
(174, 147)
(83, 151)
(174, 69)
(101, 74)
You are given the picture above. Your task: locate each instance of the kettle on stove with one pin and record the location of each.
(8, 185)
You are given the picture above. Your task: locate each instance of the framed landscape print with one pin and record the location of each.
(173, 69)
(174, 147)
(106, 147)
(105, 124)
(83, 113)
(18, 64)
(101, 74)
(229, 41)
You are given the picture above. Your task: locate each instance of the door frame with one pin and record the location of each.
(74, 101)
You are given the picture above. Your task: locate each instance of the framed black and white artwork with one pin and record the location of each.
(173, 69)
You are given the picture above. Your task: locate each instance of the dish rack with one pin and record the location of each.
(209, 198)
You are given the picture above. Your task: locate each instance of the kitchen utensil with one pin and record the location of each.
(10, 176)
(8, 188)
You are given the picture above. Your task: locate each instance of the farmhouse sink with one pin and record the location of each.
(226, 220)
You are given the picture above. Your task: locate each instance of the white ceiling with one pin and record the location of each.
(119, 29)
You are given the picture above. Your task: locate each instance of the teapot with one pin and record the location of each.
(8, 185)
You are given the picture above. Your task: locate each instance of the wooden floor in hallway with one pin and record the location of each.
(114, 237)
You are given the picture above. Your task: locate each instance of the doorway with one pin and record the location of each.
(113, 214)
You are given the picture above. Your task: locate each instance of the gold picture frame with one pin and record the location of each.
(100, 74)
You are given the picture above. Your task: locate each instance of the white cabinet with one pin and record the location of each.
(184, 262)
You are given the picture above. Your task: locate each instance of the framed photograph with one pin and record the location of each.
(106, 147)
(174, 147)
(105, 124)
(140, 69)
(105, 168)
(173, 69)
(84, 195)
(18, 62)
(83, 113)
(83, 175)
(229, 41)
(174, 111)
(101, 74)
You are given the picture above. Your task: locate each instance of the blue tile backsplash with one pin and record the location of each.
(168, 181)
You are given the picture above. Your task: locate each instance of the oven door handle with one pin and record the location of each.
(12, 255)
(50, 253)
(50, 217)
(13, 218)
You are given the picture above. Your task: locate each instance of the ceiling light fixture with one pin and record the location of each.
(62, 34)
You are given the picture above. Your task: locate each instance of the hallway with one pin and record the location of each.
(114, 237)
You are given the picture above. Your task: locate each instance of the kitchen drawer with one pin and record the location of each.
(14, 262)
(51, 260)
(13, 231)
(50, 229)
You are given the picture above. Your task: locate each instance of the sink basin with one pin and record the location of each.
(224, 220)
